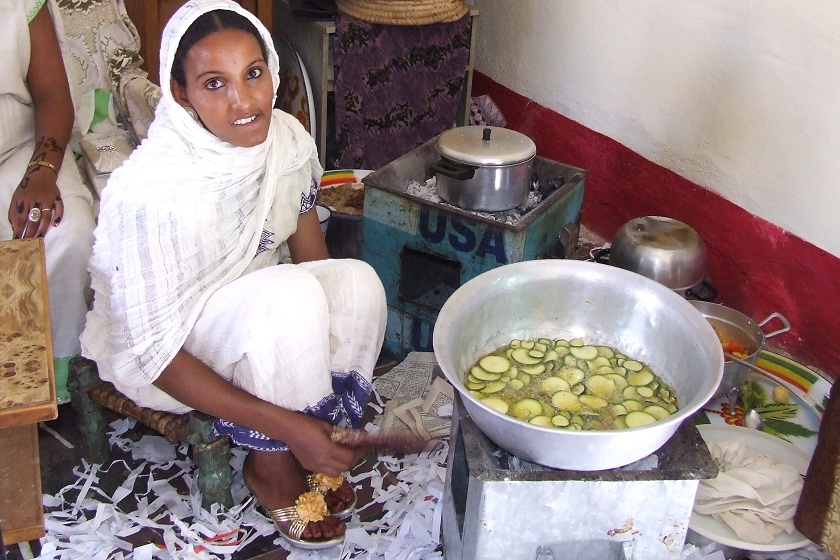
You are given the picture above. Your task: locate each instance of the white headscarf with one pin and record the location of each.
(183, 217)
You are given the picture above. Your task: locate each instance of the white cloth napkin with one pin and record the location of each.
(755, 496)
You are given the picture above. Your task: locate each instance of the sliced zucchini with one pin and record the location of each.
(639, 378)
(551, 355)
(601, 361)
(632, 405)
(566, 400)
(481, 374)
(572, 375)
(619, 380)
(559, 420)
(606, 351)
(633, 365)
(629, 393)
(619, 410)
(551, 385)
(645, 392)
(494, 387)
(592, 401)
(496, 404)
(526, 409)
(584, 352)
(579, 386)
(535, 369)
(494, 364)
(523, 357)
(516, 384)
(656, 411)
(638, 418)
(600, 386)
(541, 420)
(548, 410)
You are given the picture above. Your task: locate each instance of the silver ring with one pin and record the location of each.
(35, 215)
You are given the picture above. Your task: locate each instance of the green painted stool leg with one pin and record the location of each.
(82, 374)
(212, 459)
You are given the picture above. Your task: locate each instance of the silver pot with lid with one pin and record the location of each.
(662, 249)
(484, 168)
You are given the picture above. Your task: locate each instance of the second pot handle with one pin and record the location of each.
(781, 318)
(458, 171)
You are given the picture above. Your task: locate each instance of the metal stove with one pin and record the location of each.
(424, 250)
(499, 507)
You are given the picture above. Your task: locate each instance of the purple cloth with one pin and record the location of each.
(395, 87)
(345, 405)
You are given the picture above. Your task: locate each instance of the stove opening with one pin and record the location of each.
(427, 279)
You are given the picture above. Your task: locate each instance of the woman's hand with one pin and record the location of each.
(191, 382)
(316, 452)
(37, 190)
(50, 91)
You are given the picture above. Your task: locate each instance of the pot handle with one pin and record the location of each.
(457, 171)
(781, 318)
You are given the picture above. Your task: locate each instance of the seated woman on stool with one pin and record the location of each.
(40, 185)
(192, 309)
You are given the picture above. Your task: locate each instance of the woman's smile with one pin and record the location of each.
(229, 85)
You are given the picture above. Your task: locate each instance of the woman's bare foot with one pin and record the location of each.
(340, 498)
(277, 479)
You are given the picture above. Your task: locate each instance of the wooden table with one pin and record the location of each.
(27, 386)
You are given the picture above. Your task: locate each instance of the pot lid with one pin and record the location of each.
(485, 145)
(661, 248)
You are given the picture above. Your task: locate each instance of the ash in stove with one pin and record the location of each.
(428, 191)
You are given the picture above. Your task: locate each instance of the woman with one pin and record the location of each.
(40, 184)
(191, 309)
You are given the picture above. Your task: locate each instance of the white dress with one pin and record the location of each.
(68, 246)
(189, 236)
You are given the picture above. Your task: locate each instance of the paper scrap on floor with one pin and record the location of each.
(420, 398)
(84, 522)
(755, 496)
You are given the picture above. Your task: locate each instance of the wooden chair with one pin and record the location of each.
(210, 453)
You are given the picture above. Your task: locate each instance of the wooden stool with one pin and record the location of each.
(27, 386)
(210, 452)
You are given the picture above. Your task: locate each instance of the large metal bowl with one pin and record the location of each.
(601, 304)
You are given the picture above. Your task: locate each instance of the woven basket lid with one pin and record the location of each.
(404, 12)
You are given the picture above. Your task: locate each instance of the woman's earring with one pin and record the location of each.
(191, 112)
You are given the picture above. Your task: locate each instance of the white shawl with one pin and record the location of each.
(182, 218)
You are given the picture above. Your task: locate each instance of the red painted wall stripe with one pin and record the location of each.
(757, 267)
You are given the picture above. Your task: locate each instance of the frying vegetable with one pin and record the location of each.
(568, 384)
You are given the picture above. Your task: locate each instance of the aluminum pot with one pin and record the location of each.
(484, 167)
(601, 304)
(733, 325)
(660, 248)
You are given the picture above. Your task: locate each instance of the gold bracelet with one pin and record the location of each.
(43, 164)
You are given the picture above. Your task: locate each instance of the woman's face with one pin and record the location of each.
(229, 86)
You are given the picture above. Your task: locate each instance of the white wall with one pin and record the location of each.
(739, 96)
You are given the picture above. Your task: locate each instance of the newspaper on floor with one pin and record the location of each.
(420, 397)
